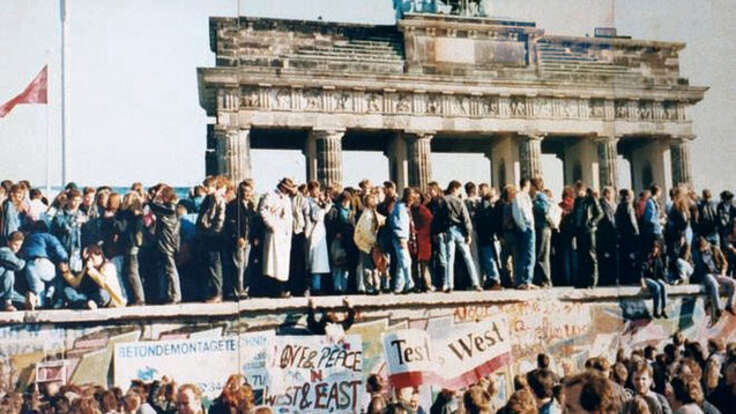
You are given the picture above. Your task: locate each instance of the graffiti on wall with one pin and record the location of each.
(569, 331)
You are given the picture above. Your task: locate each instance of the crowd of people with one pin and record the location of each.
(684, 378)
(93, 247)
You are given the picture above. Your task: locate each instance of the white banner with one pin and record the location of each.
(206, 362)
(310, 374)
(462, 356)
(469, 352)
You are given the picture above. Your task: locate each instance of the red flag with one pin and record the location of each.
(35, 92)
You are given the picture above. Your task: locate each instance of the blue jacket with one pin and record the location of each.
(9, 262)
(540, 208)
(11, 220)
(44, 245)
(650, 219)
(67, 227)
(398, 221)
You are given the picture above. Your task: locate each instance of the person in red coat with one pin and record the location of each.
(422, 236)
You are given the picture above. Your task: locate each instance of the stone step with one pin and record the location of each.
(380, 43)
(349, 45)
(343, 58)
(573, 65)
(364, 57)
(329, 51)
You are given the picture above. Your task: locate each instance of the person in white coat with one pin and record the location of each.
(276, 212)
(318, 260)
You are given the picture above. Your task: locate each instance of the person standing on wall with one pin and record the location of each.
(318, 260)
(488, 227)
(542, 231)
(627, 229)
(457, 234)
(298, 284)
(210, 223)
(399, 222)
(587, 213)
(277, 215)
(521, 209)
(240, 217)
(167, 240)
(606, 239)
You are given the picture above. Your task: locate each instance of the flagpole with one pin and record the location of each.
(65, 96)
(48, 138)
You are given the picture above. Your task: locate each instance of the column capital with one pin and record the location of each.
(532, 134)
(682, 139)
(420, 134)
(606, 138)
(327, 133)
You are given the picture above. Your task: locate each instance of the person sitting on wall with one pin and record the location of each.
(96, 286)
(42, 252)
(9, 264)
(333, 324)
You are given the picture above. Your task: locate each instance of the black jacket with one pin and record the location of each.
(167, 228)
(456, 214)
(587, 214)
(488, 222)
(626, 223)
(131, 231)
(240, 221)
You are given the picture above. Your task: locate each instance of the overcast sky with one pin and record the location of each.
(135, 108)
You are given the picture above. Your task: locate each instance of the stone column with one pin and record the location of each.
(607, 162)
(649, 164)
(396, 152)
(530, 155)
(324, 156)
(504, 156)
(232, 151)
(680, 159)
(419, 156)
(581, 161)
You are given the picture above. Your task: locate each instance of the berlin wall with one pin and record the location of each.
(267, 341)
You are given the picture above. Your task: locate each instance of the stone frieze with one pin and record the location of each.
(449, 105)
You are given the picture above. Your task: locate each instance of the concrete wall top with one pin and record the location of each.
(244, 308)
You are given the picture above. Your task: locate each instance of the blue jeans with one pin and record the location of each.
(316, 285)
(7, 292)
(339, 279)
(658, 290)
(42, 280)
(402, 278)
(488, 263)
(712, 283)
(524, 268)
(454, 239)
(569, 262)
(79, 299)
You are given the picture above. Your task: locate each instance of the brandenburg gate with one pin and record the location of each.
(445, 83)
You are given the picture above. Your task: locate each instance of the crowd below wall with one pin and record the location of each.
(684, 378)
(90, 247)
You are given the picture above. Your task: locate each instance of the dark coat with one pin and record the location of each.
(626, 223)
(167, 228)
(423, 228)
(240, 221)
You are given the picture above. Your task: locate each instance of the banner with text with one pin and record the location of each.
(461, 357)
(310, 374)
(409, 358)
(206, 362)
(472, 351)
